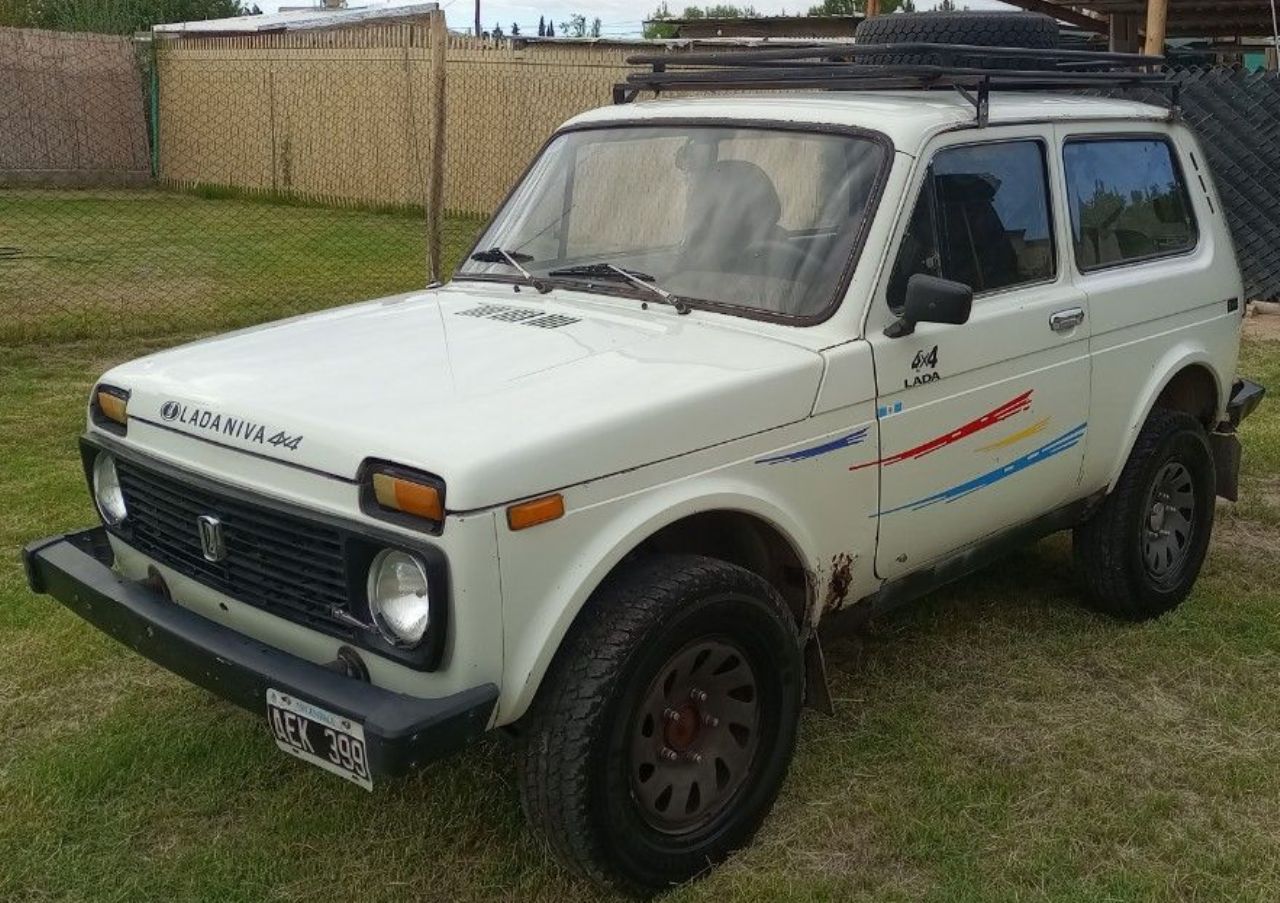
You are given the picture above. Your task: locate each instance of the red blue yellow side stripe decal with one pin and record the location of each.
(1056, 446)
(1009, 409)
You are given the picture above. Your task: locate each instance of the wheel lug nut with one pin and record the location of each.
(669, 754)
(710, 720)
(671, 715)
(698, 695)
(695, 758)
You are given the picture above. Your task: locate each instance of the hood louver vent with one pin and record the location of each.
(522, 315)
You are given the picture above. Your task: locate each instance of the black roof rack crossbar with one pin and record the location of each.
(832, 51)
(909, 76)
(835, 67)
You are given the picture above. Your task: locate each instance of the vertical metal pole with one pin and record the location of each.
(438, 35)
(154, 110)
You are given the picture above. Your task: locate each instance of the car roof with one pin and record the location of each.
(908, 118)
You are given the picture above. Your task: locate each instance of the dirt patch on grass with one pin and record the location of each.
(1263, 327)
(1247, 535)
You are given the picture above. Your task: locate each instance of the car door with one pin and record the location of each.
(982, 426)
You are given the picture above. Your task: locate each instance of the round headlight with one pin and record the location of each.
(398, 597)
(106, 489)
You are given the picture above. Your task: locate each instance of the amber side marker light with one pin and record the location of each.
(113, 406)
(534, 512)
(400, 494)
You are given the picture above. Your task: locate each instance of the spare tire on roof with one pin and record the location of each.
(984, 29)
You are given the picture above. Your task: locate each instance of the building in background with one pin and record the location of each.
(764, 27)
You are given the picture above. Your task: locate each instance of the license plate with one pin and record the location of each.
(308, 732)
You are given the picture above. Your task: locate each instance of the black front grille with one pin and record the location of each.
(275, 561)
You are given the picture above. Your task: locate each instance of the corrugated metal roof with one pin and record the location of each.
(296, 20)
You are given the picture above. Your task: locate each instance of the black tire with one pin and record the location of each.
(578, 763)
(1119, 553)
(984, 29)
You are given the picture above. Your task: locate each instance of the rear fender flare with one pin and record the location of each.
(1173, 362)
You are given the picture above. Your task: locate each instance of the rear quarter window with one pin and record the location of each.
(1128, 201)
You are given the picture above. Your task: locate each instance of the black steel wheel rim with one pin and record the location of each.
(1169, 522)
(694, 735)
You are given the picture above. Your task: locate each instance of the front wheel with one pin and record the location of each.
(1140, 554)
(661, 735)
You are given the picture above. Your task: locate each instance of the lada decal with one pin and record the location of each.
(216, 422)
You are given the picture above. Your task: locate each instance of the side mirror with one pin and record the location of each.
(932, 300)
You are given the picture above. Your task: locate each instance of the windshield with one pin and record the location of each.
(761, 219)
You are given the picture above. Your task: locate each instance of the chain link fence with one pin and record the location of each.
(1236, 115)
(205, 183)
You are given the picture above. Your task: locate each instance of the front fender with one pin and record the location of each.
(549, 572)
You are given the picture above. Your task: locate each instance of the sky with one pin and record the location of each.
(619, 18)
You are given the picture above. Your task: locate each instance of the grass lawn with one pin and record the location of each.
(994, 742)
(79, 264)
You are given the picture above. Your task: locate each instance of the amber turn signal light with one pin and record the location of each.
(399, 494)
(111, 404)
(536, 511)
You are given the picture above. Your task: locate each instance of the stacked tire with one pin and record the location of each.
(982, 29)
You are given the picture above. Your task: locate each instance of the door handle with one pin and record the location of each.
(1062, 320)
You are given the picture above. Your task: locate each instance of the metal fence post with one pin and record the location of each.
(439, 37)
(153, 111)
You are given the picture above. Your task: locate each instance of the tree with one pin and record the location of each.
(515, 30)
(859, 7)
(551, 29)
(113, 17)
(542, 26)
(596, 27)
(574, 27)
(655, 27)
(497, 31)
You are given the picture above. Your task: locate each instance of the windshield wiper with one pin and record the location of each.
(635, 277)
(512, 259)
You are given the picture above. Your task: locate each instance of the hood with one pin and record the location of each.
(502, 394)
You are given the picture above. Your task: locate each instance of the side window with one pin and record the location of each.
(1128, 201)
(982, 219)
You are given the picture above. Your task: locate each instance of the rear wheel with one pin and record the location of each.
(1140, 554)
(985, 29)
(661, 735)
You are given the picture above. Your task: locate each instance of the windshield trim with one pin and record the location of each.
(736, 310)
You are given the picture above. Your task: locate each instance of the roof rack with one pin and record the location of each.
(836, 67)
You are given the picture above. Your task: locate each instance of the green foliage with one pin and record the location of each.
(859, 7)
(574, 27)
(655, 27)
(112, 16)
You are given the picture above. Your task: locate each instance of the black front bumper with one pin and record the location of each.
(401, 732)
